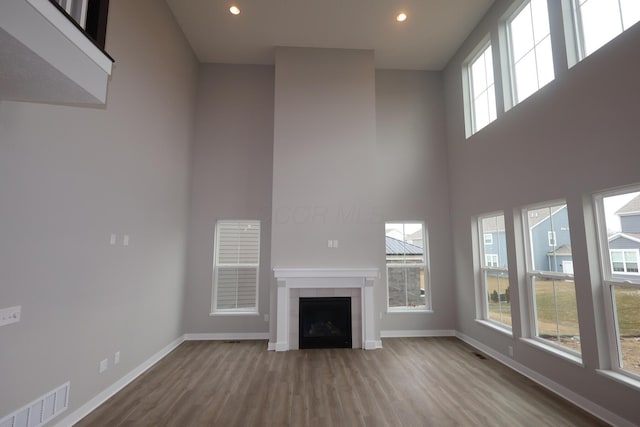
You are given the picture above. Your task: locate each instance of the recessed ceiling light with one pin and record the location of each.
(234, 10)
(401, 17)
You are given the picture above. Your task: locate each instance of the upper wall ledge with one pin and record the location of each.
(44, 57)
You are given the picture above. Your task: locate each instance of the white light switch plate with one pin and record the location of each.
(10, 315)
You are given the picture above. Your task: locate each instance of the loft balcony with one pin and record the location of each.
(53, 51)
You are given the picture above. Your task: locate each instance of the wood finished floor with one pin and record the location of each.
(410, 382)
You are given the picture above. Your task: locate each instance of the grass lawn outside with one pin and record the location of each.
(557, 315)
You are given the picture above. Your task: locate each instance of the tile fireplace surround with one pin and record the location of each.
(358, 283)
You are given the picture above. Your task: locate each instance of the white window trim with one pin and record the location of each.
(214, 291)
(428, 307)
(491, 260)
(488, 241)
(531, 275)
(467, 85)
(608, 282)
(482, 293)
(551, 238)
(624, 261)
(509, 57)
(577, 41)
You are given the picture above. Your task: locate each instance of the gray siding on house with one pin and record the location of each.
(558, 222)
(630, 223)
(622, 242)
(498, 247)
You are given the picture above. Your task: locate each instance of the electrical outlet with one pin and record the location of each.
(104, 365)
(266, 317)
(116, 358)
(10, 315)
(510, 348)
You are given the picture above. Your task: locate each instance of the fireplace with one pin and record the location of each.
(325, 322)
(294, 284)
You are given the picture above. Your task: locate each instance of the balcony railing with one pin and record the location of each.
(90, 16)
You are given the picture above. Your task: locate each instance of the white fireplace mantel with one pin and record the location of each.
(317, 278)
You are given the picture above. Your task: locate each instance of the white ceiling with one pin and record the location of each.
(425, 41)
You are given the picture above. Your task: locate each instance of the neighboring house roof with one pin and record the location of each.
(398, 247)
(535, 220)
(416, 235)
(635, 237)
(494, 226)
(564, 250)
(633, 207)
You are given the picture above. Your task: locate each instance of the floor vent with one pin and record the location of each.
(478, 355)
(40, 411)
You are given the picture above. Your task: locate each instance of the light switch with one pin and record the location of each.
(112, 240)
(125, 240)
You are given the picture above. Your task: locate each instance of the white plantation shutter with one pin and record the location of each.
(236, 264)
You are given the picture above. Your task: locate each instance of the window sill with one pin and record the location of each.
(620, 378)
(408, 311)
(577, 360)
(496, 327)
(234, 313)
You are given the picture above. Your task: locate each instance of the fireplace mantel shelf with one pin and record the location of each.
(325, 278)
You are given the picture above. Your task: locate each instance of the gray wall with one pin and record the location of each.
(69, 177)
(412, 169)
(565, 141)
(230, 179)
(324, 176)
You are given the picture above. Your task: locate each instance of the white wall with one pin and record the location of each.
(577, 135)
(71, 176)
(230, 179)
(412, 168)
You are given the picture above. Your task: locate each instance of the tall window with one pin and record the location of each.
(482, 93)
(599, 21)
(496, 300)
(618, 219)
(407, 268)
(236, 267)
(551, 286)
(530, 54)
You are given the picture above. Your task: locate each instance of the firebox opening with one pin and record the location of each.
(325, 322)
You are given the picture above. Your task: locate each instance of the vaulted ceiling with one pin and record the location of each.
(433, 31)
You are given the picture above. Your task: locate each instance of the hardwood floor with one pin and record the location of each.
(411, 382)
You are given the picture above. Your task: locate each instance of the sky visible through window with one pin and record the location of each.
(603, 20)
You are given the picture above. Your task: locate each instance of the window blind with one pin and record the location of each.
(237, 261)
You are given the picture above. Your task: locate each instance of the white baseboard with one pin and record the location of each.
(104, 395)
(418, 333)
(228, 336)
(378, 343)
(271, 346)
(587, 405)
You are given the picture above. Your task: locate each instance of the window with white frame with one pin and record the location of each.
(488, 239)
(551, 290)
(407, 267)
(530, 54)
(618, 223)
(236, 267)
(600, 21)
(624, 260)
(491, 260)
(495, 303)
(482, 93)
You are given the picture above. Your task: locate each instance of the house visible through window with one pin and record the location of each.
(494, 275)
(236, 267)
(618, 221)
(550, 286)
(482, 94)
(407, 267)
(530, 54)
